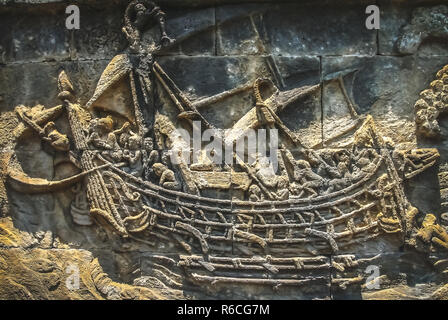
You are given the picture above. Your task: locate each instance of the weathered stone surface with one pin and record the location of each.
(259, 30)
(241, 30)
(38, 36)
(223, 72)
(412, 29)
(385, 87)
(37, 83)
(98, 38)
(194, 31)
(400, 276)
(42, 274)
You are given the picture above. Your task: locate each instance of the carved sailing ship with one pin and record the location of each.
(322, 203)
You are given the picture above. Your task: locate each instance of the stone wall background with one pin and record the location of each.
(231, 42)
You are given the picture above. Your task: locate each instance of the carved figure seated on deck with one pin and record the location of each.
(362, 162)
(133, 155)
(341, 174)
(103, 137)
(255, 193)
(265, 172)
(282, 188)
(57, 140)
(98, 133)
(150, 156)
(306, 182)
(326, 166)
(167, 177)
(124, 134)
(432, 233)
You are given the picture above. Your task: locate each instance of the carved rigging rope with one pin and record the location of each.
(268, 116)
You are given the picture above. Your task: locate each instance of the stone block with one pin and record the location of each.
(389, 275)
(413, 28)
(379, 86)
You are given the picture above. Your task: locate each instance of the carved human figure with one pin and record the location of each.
(57, 140)
(49, 133)
(165, 158)
(133, 155)
(385, 188)
(327, 166)
(282, 188)
(341, 176)
(255, 193)
(265, 172)
(124, 133)
(167, 177)
(343, 166)
(432, 232)
(98, 131)
(307, 183)
(103, 137)
(150, 156)
(362, 162)
(137, 16)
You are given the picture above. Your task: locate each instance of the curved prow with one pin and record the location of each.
(20, 181)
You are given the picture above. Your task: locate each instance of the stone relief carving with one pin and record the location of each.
(263, 228)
